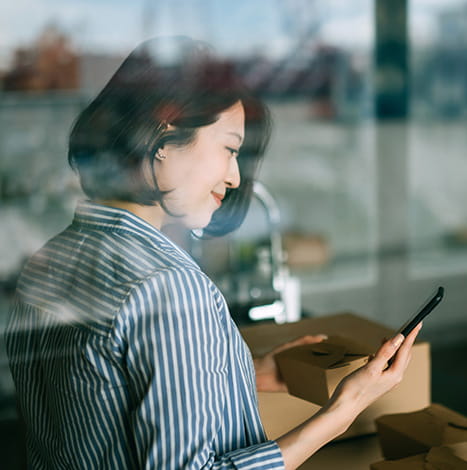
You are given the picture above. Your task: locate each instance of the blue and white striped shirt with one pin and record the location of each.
(124, 355)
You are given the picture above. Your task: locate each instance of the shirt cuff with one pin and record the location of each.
(260, 456)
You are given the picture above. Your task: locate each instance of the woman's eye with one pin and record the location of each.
(233, 152)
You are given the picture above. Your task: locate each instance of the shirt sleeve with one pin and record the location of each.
(177, 361)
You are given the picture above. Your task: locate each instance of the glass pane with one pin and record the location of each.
(320, 165)
(311, 61)
(437, 165)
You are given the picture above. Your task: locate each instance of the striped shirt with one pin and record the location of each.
(124, 355)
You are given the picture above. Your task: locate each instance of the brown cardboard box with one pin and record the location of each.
(449, 457)
(415, 462)
(313, 371)
(281, 412)
(405, 434)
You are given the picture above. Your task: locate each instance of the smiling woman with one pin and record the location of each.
(170, 98)
(195, 177)
(123, 352)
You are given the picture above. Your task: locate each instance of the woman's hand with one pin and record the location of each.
(383, 371)
(353, 394)
(268, 378)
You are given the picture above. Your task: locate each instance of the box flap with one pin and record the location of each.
(449, 457)
(415, 462)
(263, 337)
(335, 352)
(312, 371)
(432, 426)
(454, 425)
(453, 456)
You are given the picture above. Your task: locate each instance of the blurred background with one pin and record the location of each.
(363, 201)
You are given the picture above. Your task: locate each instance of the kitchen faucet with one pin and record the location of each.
(287, 307)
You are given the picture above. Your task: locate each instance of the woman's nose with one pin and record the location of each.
(233, 176)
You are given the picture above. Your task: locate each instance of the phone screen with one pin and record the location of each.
(426, 308)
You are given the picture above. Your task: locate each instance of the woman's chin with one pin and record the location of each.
(199, 223)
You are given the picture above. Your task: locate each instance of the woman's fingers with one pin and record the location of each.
(386, 351)
(395, 351)
(361, 388)
(402, 356)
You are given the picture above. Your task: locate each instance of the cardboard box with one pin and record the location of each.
(281, 412)
(405, 434)
(313, 371)
(449, 457)
(416, 462)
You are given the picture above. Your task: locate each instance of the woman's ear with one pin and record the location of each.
(160, 155)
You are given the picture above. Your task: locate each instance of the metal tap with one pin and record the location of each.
(287, 307)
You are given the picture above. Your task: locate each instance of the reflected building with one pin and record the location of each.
(49, 64)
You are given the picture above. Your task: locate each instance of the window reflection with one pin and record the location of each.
(311, 61)
(438, 215)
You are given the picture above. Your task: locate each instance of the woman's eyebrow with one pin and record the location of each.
(239, 137)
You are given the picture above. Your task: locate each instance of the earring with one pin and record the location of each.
(160, 156)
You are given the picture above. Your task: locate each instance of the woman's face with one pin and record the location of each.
(199, 174)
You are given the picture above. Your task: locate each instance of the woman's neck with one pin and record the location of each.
(153, 215)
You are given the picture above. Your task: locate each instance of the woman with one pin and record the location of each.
(123, 352)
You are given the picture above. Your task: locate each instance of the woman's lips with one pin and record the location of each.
(218, 198)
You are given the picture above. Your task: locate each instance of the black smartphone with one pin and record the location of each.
(426, 308)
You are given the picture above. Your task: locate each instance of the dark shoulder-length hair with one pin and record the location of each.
(161, 94)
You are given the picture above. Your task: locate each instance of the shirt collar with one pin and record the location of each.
(101, 217)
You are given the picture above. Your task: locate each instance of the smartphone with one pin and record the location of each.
(426, 308)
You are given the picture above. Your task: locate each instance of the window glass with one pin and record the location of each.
(437, 163)
(310, 60)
